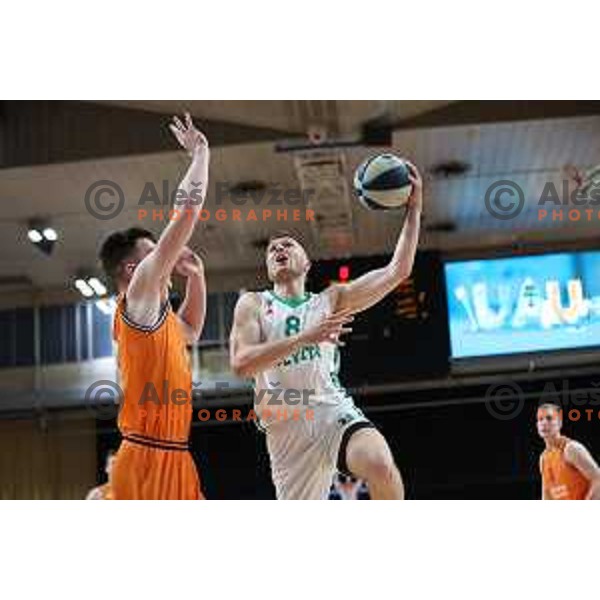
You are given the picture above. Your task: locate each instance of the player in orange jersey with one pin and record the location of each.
(103, 492)
(153, 461)
(568, 470)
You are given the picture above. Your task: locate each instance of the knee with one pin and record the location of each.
(381, 470)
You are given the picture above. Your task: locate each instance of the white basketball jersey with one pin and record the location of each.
(313, 369)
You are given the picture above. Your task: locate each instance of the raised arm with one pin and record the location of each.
(372, 287)
(249, 356)
(193, 308)
(577, 454)
(152, 274)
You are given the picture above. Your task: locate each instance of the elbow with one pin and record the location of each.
(399, 273)
(193, 333)
(404, 274)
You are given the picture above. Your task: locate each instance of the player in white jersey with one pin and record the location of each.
(287, 340)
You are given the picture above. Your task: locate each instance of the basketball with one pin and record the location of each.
(382, 182)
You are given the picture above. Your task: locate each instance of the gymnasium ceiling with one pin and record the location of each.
(51, 152)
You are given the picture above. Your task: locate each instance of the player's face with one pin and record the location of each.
(286, 259)
(548, 422)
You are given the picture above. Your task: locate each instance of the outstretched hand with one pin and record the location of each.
(416, 197)
(189, 264)
(189, 137)
(329, 329)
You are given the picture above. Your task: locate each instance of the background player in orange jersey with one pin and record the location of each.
(153, 461)
(568, 470)
(103, 492)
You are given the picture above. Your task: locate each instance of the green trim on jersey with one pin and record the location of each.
(291, 302)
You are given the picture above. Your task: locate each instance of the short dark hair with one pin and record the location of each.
(551, 405)
(284, 233)
(118, 246)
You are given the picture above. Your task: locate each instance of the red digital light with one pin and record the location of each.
(344, 273)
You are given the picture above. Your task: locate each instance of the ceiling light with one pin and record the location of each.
(50, 234)
(35, 236)
(83, 286)
(97, 286)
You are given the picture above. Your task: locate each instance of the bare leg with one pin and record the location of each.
(368, 457)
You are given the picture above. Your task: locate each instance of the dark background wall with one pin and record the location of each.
(453, 451)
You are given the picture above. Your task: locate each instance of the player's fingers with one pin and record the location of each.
(335, 338)
(343, 312)
(340, 324)
(188, 120)
(413, 172)
(335, 334)
(333, 327)
(178, 123)
(411, 167)
(176, 133)
(346, 318)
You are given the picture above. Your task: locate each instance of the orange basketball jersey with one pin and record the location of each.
(153, 461)
(560, 479)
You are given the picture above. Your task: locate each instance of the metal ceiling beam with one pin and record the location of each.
(477, 112)
(44, 132)
(469, 112)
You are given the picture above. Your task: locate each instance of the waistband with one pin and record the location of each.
(149, 442)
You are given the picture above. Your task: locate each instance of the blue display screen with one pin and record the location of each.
(523, 304)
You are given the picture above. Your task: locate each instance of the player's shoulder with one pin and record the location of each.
(249, 302)
(248, 298)
(329, 295)
(572, 448)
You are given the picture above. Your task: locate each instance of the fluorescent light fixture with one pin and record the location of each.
(84, 288)
(97, 286)
(50, 234)
(34, 236)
